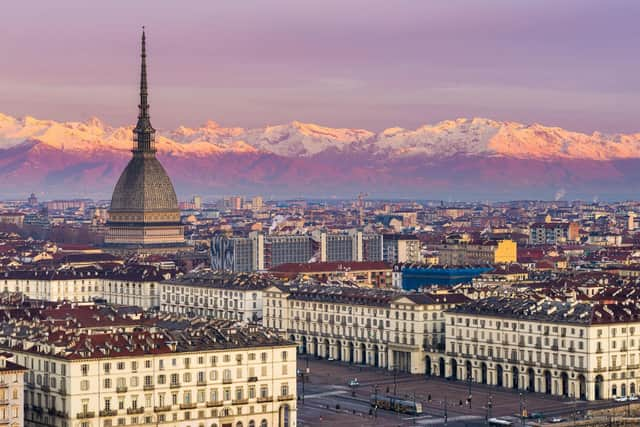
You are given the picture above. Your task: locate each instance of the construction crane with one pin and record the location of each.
(361, 197)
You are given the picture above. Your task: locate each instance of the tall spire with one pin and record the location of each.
(144, 133)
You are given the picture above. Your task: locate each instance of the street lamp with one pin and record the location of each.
(375, 399)
(446, 417)
(521, 410)
(488, 409)
(469, 384)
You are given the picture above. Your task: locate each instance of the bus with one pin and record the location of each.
(393, 403)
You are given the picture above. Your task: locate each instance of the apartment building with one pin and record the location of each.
(258, 251)
(137, 285)
(11, 391)
(71, 284)
(386, 329)
(128, 285)
(552, 233)
(582, 350)
(490, 252)
(176, 372)
(220, 295)
(401, 248)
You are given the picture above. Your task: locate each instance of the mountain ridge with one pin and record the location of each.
(476, 136)
(463, 158)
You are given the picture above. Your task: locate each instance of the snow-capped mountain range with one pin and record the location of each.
(459, 158)
(476, 136)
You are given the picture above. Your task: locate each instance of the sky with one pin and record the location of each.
(343, 63)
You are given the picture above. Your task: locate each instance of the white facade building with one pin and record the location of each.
(219, 295)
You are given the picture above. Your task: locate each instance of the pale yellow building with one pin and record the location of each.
(586, 351)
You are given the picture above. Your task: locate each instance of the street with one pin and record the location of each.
(328, 399)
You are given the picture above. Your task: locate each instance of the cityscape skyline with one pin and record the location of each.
(330, 64)
(352, 254)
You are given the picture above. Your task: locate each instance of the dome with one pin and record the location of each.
(144, 186)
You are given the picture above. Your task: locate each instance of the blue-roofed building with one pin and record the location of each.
(416, 276)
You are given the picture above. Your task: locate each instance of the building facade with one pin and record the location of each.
(11, 391)
(127, 285)
(385, 329)
(215, 294)
(176, 374)
(581, 350)
(493, 252)
(401, 248)
(551, 233)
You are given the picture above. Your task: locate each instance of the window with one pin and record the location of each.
(284, 355)
(107, 383)
(84, 369)
(84, 385)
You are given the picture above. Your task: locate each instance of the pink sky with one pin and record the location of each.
(354, 63)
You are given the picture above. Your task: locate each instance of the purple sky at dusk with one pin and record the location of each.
(352, 63)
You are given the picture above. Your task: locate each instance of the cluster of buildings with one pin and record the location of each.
(104, 366)
(146, 310)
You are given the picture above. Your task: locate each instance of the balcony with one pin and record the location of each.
(148, 387)
(240, 401)
(285, 397)
(45, 387)
(4, 421)
(108, 413)
(615, 368)
(84, 415)
(214, 403)
(600, 369)
(121, 389)
(174, 385)
(139, 410)
(252, 379)
(264, 399)
(200, 383)
(4, 402)
(161, 408)
(227, 381)
(6, 385)
(188, 405)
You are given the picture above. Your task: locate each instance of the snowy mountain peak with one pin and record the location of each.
(463, 136)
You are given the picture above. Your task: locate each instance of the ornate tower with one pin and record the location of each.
(144, 215)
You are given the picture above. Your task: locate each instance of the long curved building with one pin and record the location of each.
(144, 216)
